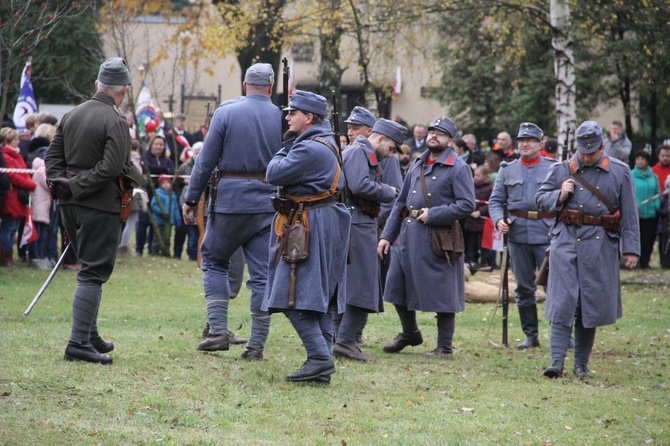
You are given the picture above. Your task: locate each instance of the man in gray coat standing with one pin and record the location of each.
(365, 193)
(244, 136)
(527, 229)
(90, 151)
(593, 195)
(438, 190)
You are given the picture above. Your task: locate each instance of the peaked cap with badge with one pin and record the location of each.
(361, 116)
(589, 137)
(530, 130)
(445, 124)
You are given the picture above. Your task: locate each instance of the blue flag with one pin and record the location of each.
(26, 103)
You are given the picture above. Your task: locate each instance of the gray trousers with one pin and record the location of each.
(224, 235)
(315, 330)
(525, 260)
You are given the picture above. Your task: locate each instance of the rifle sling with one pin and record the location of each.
(599, 195)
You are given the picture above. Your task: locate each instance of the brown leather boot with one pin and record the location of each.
(6, 259)
(403, 340)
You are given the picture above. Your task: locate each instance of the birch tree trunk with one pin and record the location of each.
(564, 69)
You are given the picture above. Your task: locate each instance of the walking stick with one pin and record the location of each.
(47, 282)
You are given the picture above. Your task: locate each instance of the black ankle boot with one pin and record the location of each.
(528, 316)
(85, 352)
(100, 344)
(555, 369)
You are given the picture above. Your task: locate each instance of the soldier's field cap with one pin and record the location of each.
(361, 116)
(444, 124)
(530, 130)
(589, 137)
(114, 71)
(308, 102)
(391, 130)
(260, 74)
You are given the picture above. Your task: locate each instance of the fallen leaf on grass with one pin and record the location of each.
(568, 428)
(467, 409)
(6, 393)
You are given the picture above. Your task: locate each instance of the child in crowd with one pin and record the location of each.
(41, 210)
(167, 212)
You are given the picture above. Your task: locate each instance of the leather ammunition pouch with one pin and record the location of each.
(295, 240)
(447, 241)
(368, 207)
(571, 217)
(611, 222)
(574, 217)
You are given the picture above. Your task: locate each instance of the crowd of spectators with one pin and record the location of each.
(161, 150)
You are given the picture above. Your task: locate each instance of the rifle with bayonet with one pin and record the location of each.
(565, 154)
(504, 281)
(338, 144)
(286, 75)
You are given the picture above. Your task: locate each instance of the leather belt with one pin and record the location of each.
(411, 214)
(576, 218)
(241, 175)
(532, 215)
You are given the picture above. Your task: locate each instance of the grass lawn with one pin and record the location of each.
(161, 391)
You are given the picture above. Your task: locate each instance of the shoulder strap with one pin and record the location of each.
(327, 143)
(599, 195)
(424, 189)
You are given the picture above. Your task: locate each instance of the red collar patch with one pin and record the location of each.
(530, 162)
(373, 159)
(450, 161)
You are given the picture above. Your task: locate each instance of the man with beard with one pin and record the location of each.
(527, 229)
(405, 159)
(244, 135)
(593, 195)
(365, 192)
(437, 192)
(308, 267)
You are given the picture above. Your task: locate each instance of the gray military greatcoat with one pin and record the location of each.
(417, 278)
(363, 171)
(584, 261)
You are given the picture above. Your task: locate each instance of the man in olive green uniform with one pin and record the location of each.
(90, 151)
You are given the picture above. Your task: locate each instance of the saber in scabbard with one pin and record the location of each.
(48, 281)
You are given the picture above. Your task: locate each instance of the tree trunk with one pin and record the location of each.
(564, 69)
(363, 40)
(330, 73)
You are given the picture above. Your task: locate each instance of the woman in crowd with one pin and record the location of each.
(646, 186)
(157, 162)
(15, 204)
